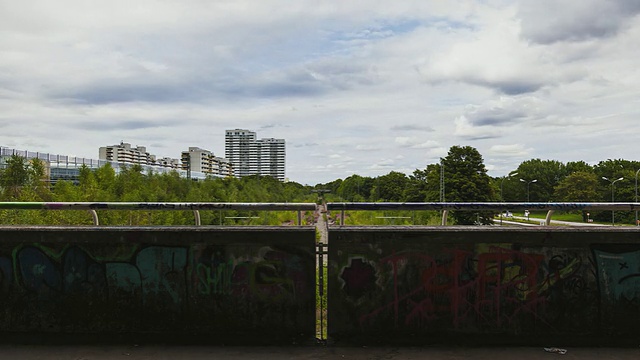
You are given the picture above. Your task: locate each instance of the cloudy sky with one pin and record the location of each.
(355, 87)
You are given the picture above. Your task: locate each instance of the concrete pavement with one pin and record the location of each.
(158, 352)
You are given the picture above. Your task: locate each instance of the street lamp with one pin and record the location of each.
(613, 212)
(502, 184)
(501, 190)
(528, 183)
(637, 224)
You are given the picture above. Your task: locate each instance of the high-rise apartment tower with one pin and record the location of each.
(252, 156)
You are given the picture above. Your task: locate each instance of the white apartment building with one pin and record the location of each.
(124, 153)
(272, 157)
(252, 156)
(168, 162)
(237, 148)
(204, 161)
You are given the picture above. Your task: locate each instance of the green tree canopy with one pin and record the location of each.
(546, 173)
(466, 180)
(580, 186)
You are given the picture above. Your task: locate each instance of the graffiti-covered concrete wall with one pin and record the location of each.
(234, 284)
(484, 284)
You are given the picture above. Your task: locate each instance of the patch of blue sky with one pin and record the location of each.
(376, 31)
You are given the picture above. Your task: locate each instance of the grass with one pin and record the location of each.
(321, 305)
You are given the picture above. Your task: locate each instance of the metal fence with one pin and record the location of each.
(445, 207)
(63, 167)
(496, 207)
(148, 206)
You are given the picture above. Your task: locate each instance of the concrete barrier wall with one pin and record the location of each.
(546, 286)
(241, 285)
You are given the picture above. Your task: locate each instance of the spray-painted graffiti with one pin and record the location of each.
(150, 272)
(267, 274)
(483, 286)
(129, 285)
(619, 276)
(618, 269)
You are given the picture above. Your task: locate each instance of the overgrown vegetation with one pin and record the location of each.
(460, 176)
(23, 180)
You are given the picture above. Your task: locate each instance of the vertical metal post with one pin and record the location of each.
(444, 217)
(637, 223)
(321, 252)
(299, 218)
(547, 220)
(94, 215)
(342, 217)
(196, 215)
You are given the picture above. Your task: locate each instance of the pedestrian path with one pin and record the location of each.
(160, 352)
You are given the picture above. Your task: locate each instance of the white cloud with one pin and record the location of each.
(466, 130)
(511, 150)
(354, 87)
(416, 142)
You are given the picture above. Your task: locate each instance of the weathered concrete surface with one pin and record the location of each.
(279, 353)
(479, 285)
(212, 284)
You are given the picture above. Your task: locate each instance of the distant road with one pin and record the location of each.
(556, 222)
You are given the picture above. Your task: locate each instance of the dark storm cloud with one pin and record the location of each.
(549, 21)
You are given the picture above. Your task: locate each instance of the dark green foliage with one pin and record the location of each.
(580, 186)
(547, 173)
(390, 187)
(26, 181)
(466, 180)
(416, 188)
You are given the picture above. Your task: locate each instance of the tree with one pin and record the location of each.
(575, 166)
(390, 187)
(581, 186)
(355, 188)
(624, 190)
(416, 189)
(547, 173)
(466, 180)
(14, 176)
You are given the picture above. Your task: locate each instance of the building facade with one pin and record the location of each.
(253, 156)
(63, 167)
(237, 148)
(204, 161)
(124, 153)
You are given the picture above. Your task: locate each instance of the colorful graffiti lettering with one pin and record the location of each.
(493, 284)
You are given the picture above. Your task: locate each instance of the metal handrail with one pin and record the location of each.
(194, 206)
(483, 206)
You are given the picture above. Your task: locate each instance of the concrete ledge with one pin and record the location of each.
(256, 284)
(476, 285)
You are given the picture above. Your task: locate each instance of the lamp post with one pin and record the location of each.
(637, 224)
(613, 212)
(502, 184)
(501, 190)
(528, 183)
